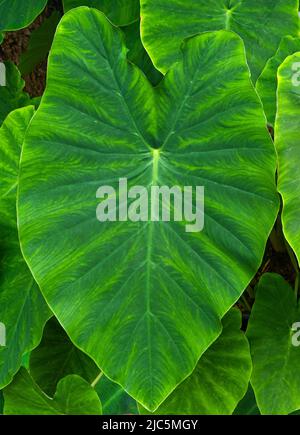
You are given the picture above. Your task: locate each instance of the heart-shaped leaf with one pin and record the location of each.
(16, 14)
(220, 379)
(287, 142)
(266, 84)
(120, 12)
(271, 331)
(74, 396)
(57, 357)
(23, 311)
(261, 24)
(12, 95)
(144, 299)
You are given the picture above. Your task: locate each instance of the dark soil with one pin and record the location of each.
(15, 43)
(276, 262)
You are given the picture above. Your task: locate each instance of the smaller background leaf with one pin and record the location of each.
(137, 53)
(16, 15)
(74, 396)
(276, 362)
(1, 402)
(220, 379)
(12, 95)
(39, 44)
(266, 84)
(261, 25)
(57, 357)
(287, 144)
(120, 12)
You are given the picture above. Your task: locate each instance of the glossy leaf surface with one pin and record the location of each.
(12, 95)
(261, 25)
(23, 310)
(17, 14)
(150, 290)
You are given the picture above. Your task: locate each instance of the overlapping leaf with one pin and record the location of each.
(287, 141)
(120, 12)
(220, 379)
(22, 307)
(12, 95)
(57, 357)
(261, 24)
(152, 292)
(275, 355)
(39, 44)
(125, 13)
(266, 84)
(74, 396)
(1, 402)
(16, 14)
(247, 405)
(137, 53)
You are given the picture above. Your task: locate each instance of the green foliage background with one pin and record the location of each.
(143, 317)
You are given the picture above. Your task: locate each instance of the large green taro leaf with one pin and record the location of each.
(120, 12)
(220, 379)
(73, 396)
(266, 84)
(144, 299)
(287, 141)
(23, 310)
(261, 24)
(57, 357)
(16, 14)
(12, 95)
(273, 335)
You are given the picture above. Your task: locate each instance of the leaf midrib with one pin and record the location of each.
(149, 314)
